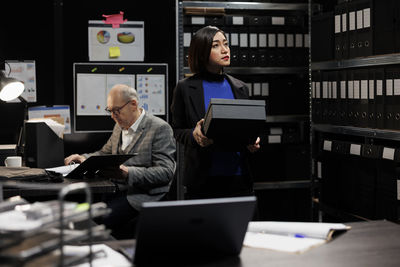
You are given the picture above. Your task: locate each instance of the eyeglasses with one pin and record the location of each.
(117, 110)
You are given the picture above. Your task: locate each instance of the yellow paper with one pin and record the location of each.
(114, 51)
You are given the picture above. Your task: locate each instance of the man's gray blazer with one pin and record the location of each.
(152, 169)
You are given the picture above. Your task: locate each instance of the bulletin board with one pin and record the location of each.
(125, 43)
(93, 81)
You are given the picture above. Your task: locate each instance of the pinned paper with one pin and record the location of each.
(114, 52)
(115, 20)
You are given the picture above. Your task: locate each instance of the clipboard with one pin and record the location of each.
(92, 165)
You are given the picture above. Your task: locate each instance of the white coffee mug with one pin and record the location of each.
(14, 161)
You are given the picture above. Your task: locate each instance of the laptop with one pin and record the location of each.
(189, 229)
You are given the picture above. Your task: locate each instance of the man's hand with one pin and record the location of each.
(254, 147)
(198, 135)
(74, 158)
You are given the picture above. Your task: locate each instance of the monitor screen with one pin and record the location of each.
(93, 81)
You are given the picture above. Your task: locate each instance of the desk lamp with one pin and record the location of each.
(11, 88)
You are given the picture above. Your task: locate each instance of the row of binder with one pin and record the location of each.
(297, 20)
(357, 28)
(371, 151)
(263, 48)
(357, 97)
(359, 185)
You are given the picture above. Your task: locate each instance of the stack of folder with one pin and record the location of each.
(277, 39)
(360, 97)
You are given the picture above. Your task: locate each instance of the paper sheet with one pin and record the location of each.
(64, 170)
(111, 257)
(56, 127)
(280, 242)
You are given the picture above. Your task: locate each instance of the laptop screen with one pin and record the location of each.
(190, 228)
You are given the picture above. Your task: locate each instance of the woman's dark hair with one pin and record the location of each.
(200, 48)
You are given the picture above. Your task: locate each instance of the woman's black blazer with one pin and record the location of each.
(187, 109)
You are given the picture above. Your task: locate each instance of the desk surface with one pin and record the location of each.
(375, 243)
(48, 189)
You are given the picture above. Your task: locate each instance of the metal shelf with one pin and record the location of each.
(365, 132)
(282, 185)
(388, 59)
(287, 118)
(260, 70)
(247, 5)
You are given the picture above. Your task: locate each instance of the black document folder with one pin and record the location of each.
(352, 9)
(322, 40)
(94, 164)
(380, 93)
(235, 121)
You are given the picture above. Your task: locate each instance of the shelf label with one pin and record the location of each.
(274, 139)
(388, 153)
(276, 130)
(198, 20)
(327, 145)
(355, 149)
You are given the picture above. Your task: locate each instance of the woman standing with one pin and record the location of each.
(209, 170)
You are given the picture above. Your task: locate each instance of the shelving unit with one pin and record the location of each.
(286, 133)
(355, 169)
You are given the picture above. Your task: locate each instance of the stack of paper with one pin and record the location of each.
(295, 237)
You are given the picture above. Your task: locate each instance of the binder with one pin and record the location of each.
(343, 109)
(323, 37)
(380, 92)
(272, 50)
(371, 99)
(383, 24)
(356, 106)
(254, 54)
(390, 104)
(338, 31)
(281, 59)
(234, 46)
(345, 31)
(363, 103)
(325, 103)
(187, 36)
(350, 98)
(396, 96)
(334, 99)
(243, 46)
(262, 44)
(364, 31)
(316, 97)
(352, 11)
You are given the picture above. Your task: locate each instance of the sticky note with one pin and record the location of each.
(114, 51)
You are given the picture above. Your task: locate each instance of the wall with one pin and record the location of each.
(54, 34)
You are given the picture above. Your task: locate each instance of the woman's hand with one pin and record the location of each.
(198, 135)
(254, 147)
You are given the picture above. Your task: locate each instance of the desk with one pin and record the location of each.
(97, 186)
(374, 243)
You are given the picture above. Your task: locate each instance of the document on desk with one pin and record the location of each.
(295, 237)
(64, 170)
(110, 256)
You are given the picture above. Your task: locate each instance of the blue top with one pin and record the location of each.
(223, 163)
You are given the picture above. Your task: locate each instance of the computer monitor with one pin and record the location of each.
(93, 81)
